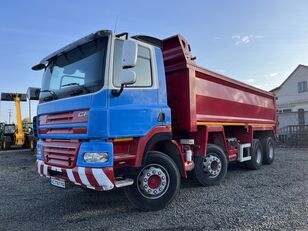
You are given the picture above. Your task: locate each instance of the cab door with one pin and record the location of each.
(136, 110)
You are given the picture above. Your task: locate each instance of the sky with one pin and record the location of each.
(257, 42)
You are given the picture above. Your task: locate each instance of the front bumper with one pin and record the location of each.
(100, 179)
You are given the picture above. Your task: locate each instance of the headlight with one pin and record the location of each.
(100, 157)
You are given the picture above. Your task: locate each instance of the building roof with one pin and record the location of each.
(277, 88)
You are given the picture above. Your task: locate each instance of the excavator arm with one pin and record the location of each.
(20, 135)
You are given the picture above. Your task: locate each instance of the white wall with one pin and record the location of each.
(290, 118)
(288, 96)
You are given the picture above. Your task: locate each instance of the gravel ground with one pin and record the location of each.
(272, 198)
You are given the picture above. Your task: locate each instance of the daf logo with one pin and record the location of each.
(82, 114)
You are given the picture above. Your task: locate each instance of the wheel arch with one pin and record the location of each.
(259, 134)
(163, 142)
(210, 134)
(218, 139)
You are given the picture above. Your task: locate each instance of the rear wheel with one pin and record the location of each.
(268, 146)
(156, 183)
(211, 169)
(256, 155)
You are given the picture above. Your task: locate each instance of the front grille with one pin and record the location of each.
(64, 118)
(78, 130)
(58, 118)
(61, 153)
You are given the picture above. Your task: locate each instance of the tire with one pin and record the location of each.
(268, 146)
(32, 145)
(6, 145)
(256, 153)
(211, 169)
(26, 142)
(162, 173)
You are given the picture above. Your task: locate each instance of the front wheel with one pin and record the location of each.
(211, 169)
(6, 145)
(156, 183)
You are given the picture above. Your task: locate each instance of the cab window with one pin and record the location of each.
(143, 67)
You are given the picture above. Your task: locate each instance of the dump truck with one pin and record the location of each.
(139, 113)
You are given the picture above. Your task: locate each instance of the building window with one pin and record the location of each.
(287, 110)
(302, 86)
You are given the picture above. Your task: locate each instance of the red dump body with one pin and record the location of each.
(198, 96)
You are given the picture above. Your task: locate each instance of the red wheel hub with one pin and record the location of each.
(154, 181)
(214, 165)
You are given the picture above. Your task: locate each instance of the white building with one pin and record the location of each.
(292, 98)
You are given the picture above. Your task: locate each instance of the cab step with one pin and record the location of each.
(123, 183)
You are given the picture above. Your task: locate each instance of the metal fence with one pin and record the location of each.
(293, 136)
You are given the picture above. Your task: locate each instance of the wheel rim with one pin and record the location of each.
(153, 181)
(212, 165)
(270, 150)
(259, 156)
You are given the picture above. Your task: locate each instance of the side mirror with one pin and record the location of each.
(33, 93)
(129, 60)
(129, 54)
(127, 77)
(39, 67)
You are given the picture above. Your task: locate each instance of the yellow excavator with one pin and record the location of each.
(20, 137)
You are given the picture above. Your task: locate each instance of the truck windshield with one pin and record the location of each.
(78, 71)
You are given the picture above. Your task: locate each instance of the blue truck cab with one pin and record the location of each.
(103, 119)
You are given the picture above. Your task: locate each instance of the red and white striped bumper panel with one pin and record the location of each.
(93, 178)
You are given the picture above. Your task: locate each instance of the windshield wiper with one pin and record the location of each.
(76, 84)
(52, 93)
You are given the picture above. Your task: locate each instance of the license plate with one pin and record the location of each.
(57, 182)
